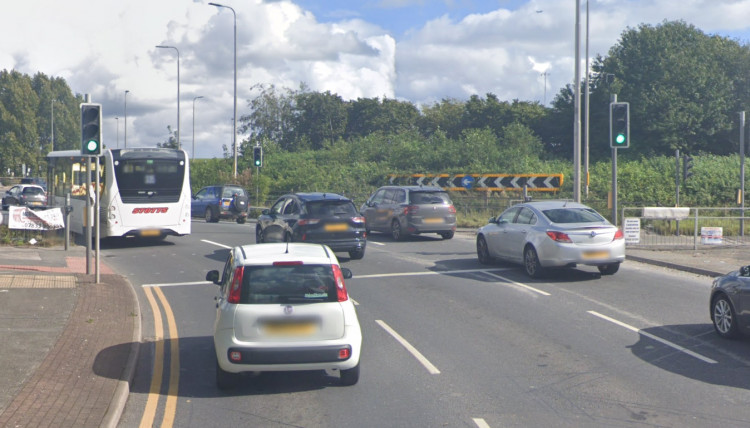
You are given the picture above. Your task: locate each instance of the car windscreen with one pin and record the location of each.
(343, 208)
(573, 215)
(33, 191)
(305, 283)
(430, 198)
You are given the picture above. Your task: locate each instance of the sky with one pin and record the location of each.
(421, 51)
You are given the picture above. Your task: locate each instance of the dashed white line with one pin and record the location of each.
(215, 243)
(480, 423)
(412, 350)
(519, 284)
(656, 338)
(432, 272)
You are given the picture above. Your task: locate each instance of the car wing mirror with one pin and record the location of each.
(745, 271)
(346, 272)
(213, 276)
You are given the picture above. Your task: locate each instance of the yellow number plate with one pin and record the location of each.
(150, 232)
(336, 227)
(433, 220)
(589, 255)
(290, 329)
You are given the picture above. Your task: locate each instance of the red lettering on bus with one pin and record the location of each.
(158, 210)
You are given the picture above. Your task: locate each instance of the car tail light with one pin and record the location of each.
(358, 220)
(411, 209)
(345, 353)
(308, 221)
(235, 356)
(236, 288)
(558, 236)
(618, 235)
(451, 209)
(341, 293)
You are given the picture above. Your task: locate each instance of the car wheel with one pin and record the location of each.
(350, 376)
(258, 235)
(396, 232)
(447, 235)
(483, 253)
(723, 315)
(209, 215)
(609, 269)
(357, 254)
(241, 220)
(531, 263)
(226, 380)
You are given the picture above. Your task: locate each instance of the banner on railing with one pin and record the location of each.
(26, 218)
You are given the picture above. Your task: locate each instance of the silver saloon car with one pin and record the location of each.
(549, 234)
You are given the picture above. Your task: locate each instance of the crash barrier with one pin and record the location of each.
(685, 227)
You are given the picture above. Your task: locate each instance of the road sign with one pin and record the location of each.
(483, 182)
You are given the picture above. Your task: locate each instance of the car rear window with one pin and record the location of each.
(573, 215)
(288, 284)
(331, 208)
(33, 191)
(230, 191)
(429, 198)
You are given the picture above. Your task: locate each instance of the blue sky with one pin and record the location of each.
(420, 51)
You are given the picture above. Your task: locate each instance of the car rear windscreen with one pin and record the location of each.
(429, 198)
(331, 209)
(573, 215)
(288, 284)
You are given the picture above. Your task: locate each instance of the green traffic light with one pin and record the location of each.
(620, 139)
(92, 145)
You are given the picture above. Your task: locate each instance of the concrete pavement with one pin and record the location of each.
(69, 345)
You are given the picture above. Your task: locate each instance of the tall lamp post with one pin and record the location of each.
(194, 98)
(179, 144)
(117, 119)
(234, 115)
(126, 119)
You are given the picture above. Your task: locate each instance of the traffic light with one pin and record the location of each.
(258, 156)
(91, 130)
(619, 125)
(687, 166)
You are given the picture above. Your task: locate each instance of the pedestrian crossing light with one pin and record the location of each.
(91, 130)
(619, 125)
(258, 156)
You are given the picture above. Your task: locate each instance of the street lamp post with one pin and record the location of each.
(194, 98)
(52, 125)
(234, 115)
(117, 119)
(126, 119)
(179, 144)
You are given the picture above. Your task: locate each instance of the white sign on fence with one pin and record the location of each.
(631, 228)
(26, 218)
(712, 235)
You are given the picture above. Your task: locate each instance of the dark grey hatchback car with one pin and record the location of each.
(410, 210)
(320, 218)
(729, 304)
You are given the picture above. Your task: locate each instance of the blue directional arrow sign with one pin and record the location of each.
(467, 181)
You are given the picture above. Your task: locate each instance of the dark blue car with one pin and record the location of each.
(224, 201)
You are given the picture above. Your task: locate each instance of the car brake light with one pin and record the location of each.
(288, 263)
(558, 236)
(618, 235)
(341, 293)
(451, 209)
(411, 209)
(308, 221)
(358, 219)
(236, 288)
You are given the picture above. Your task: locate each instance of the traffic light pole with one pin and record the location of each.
(614, 173)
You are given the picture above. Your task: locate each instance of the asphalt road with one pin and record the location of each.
(447, 342)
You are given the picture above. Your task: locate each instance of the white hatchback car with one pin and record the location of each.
(284, 307)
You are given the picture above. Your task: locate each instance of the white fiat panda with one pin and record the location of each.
(284, 307)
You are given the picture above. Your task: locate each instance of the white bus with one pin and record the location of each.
(144, 192)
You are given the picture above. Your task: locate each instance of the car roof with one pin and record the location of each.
(266, 254)
(552, 204)
(320, 196)
(416, 188)
(24, 186)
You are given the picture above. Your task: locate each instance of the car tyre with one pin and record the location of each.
(396, 232)
(531, 263)
(483, 253)
(724, 317)
(350, 376)
(210, 217)
(226, 380)
(357, 254)
(609, 269)
(241, 220)
(258, 235)
(447, 235)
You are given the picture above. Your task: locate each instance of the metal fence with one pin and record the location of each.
(695, 227)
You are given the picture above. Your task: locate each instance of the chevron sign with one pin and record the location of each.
(483, 182)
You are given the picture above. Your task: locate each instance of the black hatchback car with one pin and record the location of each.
(321, 218)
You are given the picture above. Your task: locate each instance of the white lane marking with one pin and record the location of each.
(480, 423)
(440, 272)
(177, 284)
(215, 243)
(354, 302)
(656, 338)
(375, 243)
(519, 284)
(412, 350)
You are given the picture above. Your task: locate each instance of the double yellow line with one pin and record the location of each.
(170, 409)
